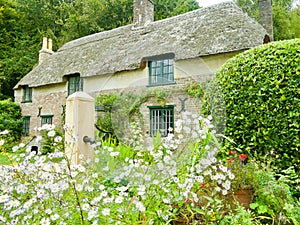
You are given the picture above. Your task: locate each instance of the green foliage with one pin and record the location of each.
(285, 18)
(273, 199)
(194, 89)
(4, 160)
(262, 97)
(125, 106)
(11, 120)
(23, 23)
(168, 8)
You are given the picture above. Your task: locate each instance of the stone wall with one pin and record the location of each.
(50, 104)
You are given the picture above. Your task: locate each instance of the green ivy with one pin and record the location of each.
(261, 90)
(194, 89)
(127, 105)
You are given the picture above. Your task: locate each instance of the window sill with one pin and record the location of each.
(161, 84)
(29, 101)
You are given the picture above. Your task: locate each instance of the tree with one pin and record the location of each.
(23, 23)
(286, 20)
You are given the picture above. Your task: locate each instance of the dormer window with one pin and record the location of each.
(75, 83)
(27, 94)
(161, 70)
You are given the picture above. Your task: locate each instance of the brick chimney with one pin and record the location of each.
(143, 12)
(265, 14)
(46, 50)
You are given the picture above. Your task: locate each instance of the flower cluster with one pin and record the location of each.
(124, 186)
(241, 168)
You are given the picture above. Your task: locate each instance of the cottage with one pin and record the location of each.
(142, 56)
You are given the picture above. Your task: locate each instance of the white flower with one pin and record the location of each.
(92, 214)
(108, 200)
(51, 133)
(45, 221)
(58, 139)
(21, 188)
(2, 219)
(224, 192)
(21, 145)
(54, 217)
(119, 199)
(85, 207)
(4, 132)
(48, 211)
(140, 206)
(1, 142)
(231, 176)
(122, 189)
(96, 160)
(4, 198)
(15, 148)
(226, 184)
(114, 154)
(105, 212)
(39, 138)
(110, 149)
(103, 193)
(15, 203)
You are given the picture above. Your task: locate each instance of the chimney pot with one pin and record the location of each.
(44, 45)
(46, 50)
(50, 44)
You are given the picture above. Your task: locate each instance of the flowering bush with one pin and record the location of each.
(149, 188)
(179, 179)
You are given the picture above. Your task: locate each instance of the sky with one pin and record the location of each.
(205, 3)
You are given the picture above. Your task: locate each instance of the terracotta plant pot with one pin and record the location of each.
(244, 196)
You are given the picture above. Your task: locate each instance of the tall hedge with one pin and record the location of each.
(11, 120)
(261, 90)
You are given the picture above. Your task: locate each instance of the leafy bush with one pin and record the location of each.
(11, 120)
(262, 97)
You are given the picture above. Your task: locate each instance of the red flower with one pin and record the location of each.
(242, 157)
(230, 160)
(231, 152)
(203, 185)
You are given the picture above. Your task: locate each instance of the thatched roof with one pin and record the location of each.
(212, 30)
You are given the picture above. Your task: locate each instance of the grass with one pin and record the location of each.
(4, 159)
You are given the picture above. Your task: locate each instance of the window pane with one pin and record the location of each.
(46, 120)
(75, 83)
(161, 119)
(26, 125)
(161, 71)
(27, 94)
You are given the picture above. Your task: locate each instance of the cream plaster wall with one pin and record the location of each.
(52, 97)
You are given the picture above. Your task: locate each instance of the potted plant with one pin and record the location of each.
(244, 181)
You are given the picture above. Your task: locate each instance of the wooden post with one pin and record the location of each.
(80, 122)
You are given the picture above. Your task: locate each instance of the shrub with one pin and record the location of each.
(11, 120)
(262, 97)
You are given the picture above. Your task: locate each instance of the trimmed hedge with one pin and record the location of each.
(261, 90)
(11, 120)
